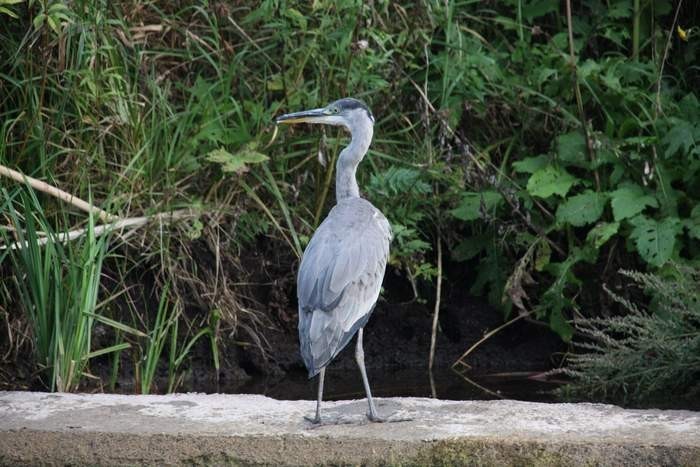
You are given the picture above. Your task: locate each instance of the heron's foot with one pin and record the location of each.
(315, 420)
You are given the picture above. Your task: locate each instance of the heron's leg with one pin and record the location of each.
(317, 418)
(360, 357)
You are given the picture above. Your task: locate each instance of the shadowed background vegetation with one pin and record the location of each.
(534, 152)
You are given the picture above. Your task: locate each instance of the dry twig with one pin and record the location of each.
(119, 225)
(57, 193)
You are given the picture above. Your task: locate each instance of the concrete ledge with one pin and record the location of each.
(77, 429)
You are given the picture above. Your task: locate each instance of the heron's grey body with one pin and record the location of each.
(342, 268)
(339, 280)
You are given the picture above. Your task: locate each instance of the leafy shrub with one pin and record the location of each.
(590, 161)
(648, 355)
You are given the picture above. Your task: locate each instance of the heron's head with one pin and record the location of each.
(348, 112)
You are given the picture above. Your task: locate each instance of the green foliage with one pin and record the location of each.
(549, 181)
(480, 142)
(649, 355)
(5, 7)
(626, 177)
(582, 209)
(236, 162)
(58, 288)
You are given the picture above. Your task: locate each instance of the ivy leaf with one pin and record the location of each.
(571, 148)
(549, 181)
(582, 209)
(601, 233)
(237, 162)
(472, 203)
(629, 200)
(655, 239)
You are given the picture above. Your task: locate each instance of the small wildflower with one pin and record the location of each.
(682, 33)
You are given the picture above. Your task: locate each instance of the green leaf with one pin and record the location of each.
(275, 83)
(611, 80)
(51, 21)
(471, 246)
(693, 223)
(116, 324)
(655, 240)
(543, 255)
(530, 164)
(549, 181)
(582, 209)
(297, 17)
(474, 204)
(601, 233)
(620, 9)
(113, 348)
(571, 148)
(537, 8)
(39, 20)
(237, 162)
(10, 13)
(680, 136)
(689, 107)
(585, 70)
(559, 325)
(629, 200)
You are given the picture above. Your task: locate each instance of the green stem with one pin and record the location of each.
(521, 36)
(635, 30)
(577, 93)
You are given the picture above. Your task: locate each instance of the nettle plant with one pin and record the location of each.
(565, 205)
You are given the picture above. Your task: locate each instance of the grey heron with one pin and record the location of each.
(343, 265)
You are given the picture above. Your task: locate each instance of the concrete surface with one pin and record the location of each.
(80, 429)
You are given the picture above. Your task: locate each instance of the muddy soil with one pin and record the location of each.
(397, 343)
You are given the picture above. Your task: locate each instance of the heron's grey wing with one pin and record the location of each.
(339, 282)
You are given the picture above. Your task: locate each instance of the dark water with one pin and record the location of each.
(340, 385)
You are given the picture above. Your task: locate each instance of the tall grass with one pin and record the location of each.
(58, 285)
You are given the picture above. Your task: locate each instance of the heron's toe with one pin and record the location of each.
(315, 420)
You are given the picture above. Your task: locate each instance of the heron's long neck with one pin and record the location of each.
(350, 157)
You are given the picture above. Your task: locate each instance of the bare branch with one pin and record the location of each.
(117, 226)
(58, 193)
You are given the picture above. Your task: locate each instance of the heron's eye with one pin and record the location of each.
(335, 110)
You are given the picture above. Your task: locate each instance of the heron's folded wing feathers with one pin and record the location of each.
(335, 258)
(339, 281)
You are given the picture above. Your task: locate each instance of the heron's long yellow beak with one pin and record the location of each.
(305, 116)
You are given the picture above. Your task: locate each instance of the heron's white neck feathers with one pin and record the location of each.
(361, 128)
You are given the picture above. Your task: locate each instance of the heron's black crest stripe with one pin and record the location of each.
(350, 103)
